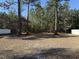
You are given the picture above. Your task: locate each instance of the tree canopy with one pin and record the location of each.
(53, 16)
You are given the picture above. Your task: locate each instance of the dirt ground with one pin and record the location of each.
(46, 43)
(38, 42)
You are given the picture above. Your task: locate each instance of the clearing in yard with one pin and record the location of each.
(36, 43)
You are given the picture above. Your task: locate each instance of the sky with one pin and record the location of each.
(73, 4)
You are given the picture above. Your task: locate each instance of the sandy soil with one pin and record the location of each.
(25, 44)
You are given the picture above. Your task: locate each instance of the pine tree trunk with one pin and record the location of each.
(19, 17)
(28, 20)
(56, 18)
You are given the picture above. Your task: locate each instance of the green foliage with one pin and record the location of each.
(75, 18)
(7, 19)
(54, 16)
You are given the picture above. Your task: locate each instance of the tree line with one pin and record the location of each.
(55, 17)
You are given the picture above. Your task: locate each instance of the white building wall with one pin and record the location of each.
(75, 31)
(5, 31)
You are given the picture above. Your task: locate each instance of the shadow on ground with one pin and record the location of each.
(56, 53)
(39, 36)
(1, 37)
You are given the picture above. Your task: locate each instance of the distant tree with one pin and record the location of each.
(64, 16)
(7, 20)
(54, 6)
(28, 2)
(74, 19)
